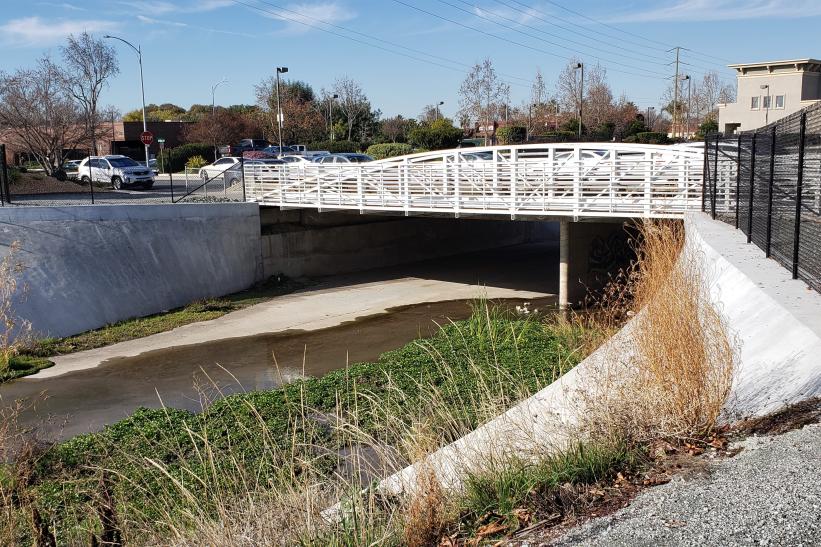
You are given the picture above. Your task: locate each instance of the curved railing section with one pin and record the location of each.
(576, 180)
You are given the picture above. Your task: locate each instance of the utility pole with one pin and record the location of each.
(675, 90)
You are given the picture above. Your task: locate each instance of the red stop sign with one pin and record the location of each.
(146, 137)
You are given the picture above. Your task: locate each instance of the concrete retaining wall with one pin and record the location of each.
(775, 322)
(88, 266)
(316, 250)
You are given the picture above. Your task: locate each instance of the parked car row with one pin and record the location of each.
(229, 166)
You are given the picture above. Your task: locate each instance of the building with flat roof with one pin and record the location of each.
(770, 91)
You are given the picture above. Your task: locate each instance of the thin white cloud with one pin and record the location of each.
(36, 31)
(161, 7)
(296, 17)
(507, 15)
(178, 24)
(723, 10)
(63, 5)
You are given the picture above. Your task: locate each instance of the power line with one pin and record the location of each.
(414, 57)
(541, 16)
(503, 39)
(628, 33)
(547, 33)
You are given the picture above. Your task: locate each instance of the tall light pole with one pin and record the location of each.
(438, 114)
(581, 98)
(648, 123)
(766, 104)
(280, 70)
(214, 110)
(689, 103)
(330, 113)
(142, 84)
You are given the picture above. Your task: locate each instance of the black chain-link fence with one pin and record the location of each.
(31, 187)
(768, 184)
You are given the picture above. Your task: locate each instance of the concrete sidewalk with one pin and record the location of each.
(494, 274)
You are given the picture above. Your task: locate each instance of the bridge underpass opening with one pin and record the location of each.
(525, 255)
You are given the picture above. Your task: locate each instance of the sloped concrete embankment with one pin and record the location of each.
(775, 322)
(89, 266)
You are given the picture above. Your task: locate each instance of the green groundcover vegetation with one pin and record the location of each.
(23, 365)
(507, 356)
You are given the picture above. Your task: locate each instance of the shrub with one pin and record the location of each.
(176, 159)
(388, 150)
(195, 162)
(556, 136)
(512, 134)
(649, 137)
(335, 147)
(439, 135)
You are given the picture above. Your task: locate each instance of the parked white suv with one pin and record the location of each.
(119, 171)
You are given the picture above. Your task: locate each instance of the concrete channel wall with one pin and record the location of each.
(775, 322)
(87, 266)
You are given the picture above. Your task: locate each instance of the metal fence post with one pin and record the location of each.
(705, 174)
(242, 175)
(714, 190)
(799, 188)
(5, 191)
(171, 181)
(90, 177)
(770, 195)
(738, 183)
(752, 190)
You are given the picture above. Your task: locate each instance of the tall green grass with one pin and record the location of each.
(265, 464)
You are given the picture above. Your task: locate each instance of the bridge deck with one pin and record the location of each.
(575, 180)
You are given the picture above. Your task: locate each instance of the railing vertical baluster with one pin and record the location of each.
(457, 195)
(752, 190)
(770, 195)
(799, 189)
(738, 183)
(714, 190)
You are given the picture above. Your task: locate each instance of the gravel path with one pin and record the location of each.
(769, 494)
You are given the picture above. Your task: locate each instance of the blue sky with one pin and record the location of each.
(188, 45)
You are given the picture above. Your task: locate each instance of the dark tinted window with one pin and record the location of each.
(123, 162)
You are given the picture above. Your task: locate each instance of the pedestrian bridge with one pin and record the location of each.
(584, 180)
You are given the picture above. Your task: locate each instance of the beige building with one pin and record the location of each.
(770, 91)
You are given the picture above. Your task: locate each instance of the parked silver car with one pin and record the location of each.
(119, 171)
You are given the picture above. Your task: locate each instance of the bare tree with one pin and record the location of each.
(89, 64)
(483, 95)
(397, 128)
(352, 101)
(598, 98)
(38, 115)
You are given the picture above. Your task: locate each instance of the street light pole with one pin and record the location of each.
(648, 123)
(330, 114)
(581, 99)
(142, 83)
(214, 110)
(766, 104)
(689, 103)
(438, 114)
(280, 70)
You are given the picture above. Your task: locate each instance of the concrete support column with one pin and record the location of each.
(564, 263)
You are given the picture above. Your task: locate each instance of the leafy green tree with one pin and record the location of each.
(709, 125)
(439, 135)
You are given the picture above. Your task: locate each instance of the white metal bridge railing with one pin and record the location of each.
(577, 180)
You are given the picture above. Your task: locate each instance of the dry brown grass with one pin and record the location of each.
(671, 375)
(15, 331)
